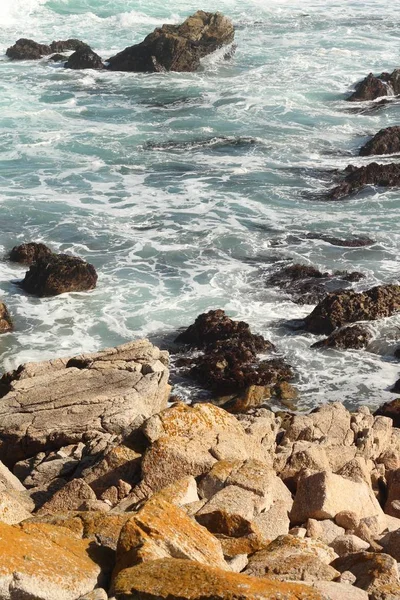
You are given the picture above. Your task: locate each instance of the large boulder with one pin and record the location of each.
(356, 178)
(176, 47)
(386, 141)
(57, 274)
(29, 253)
(372, 87)
(173, 579)
(51, 404)
(66, 45)
(340, 308)
(5, 319)
(372, 571)
(84, 58)
(25, 49)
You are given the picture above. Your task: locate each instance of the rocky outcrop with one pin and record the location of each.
(370, 88)
(392, 410)
(5, 319)
(373, 572)
(176, 47)
(386, 141)
(355, 337)
(66, 45)
(25, 49)
(340, 308)
(57, 274)
(356, 178)
(353, 242)
(29, 253)
(51, 404)
(84, 58)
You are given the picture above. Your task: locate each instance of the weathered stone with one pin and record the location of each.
(66, 45)
(347, 519)
(5, 319)
(391, 544)
(356, 178)
(371, 570)
(176, 47)
(326, 531)
(386, 141)
(392, 410)
(84, 58)
(115, 465)
(12, 511)
(69, 497)
(339, 591)
(356, 470)
(370, 88)
(392, 505)
(339, 308)
(60, 402)
(181, 492)
(57, 274)
(172, 579)
(98, 594)
(162, 530)
(354, 337)
(28, 253)
(273, 522)
(25, 49)
(324, 495)
(348, 544)
(232, 546)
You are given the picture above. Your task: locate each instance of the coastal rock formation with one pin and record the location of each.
(355, 337)
(29, 253)
(59, 273)
(392, 410)
(386, 141)
(84, 58)
(370, 88)
(25, 49)
(340, 308)
(48, 405)
(66, 45)
(176, 47)
(5, 319)
(353, 242)
(356, 178)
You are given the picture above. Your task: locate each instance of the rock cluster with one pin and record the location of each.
(372, 87)
(356, 178)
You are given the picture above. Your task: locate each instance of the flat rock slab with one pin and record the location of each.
(52, 404)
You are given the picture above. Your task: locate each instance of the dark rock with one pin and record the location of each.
(5, 319)
(396, 387)
(397, 352)
(355, 242)
(356, 178)
(308, 285)
(27, 254)
(355, 337)
(57, 274)
(386, 141)
(340, 308)
(84, 58)
(66, 45)
(176, 47)
(58, 58)
(25, 49)
(390, 409)
(215, 326)
(370, 88)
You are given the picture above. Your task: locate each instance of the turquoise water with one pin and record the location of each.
(184, 189)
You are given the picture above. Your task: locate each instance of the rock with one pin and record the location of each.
(5, 319)
(392, 410)
(232, 547)
(25, 49)
(373, 87)
(339, 591)
(326, 531)
(70, 497)
(392, 506)
(29, 253)
(42, 469)
(372, 570)
(323, 495)
(60, 402)
(9, 481)
(293, 558)
(356, 178)
(386, 141)
(57, 274)
(252, 397)
(45, 562)
(66, 45)
(347, 519)
(354, 242)
(272, 522)
(391, 544)
(348, 544)
(172, 579)
(84, 58)
(12, 511)
(162, 530)
(58, 58)
(348, 306)
(176, 47)
(181, 492)
(355, 337)
(98, 594)
(396, 387)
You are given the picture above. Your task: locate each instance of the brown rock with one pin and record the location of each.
(356, 178)
(392, 506)
(117, 464)
(355, 337)
(84, 58)
(392, 410)
(372, 571)
(25, 49)
(373, 87)
(386, 141)
(70, 497)
(29, 253)
(5, 319)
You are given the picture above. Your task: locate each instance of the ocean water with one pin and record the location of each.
(186, 190)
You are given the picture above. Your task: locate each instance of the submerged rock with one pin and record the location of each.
(355, 178)
(84, 58)
(59, 273)
(372, 87)
(66, 45)
(355, 337)
(29, 253)
(176, 47)
(348, 306)
(386, 141)
(5, 319)
(355, 242)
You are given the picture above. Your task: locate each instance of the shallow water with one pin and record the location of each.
(184, 190)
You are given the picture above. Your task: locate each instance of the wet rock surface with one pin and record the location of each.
(356, 178)
(392, 410)
(26, 49)
(355, 337)
(372, 87)
(176, 47)
(84, 58)
(29, 253)
(386, 141)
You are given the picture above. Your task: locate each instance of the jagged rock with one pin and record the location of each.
(69, 497)
(386, 141)
(355, 337)
(323, 495)
(370, 88)
(84, 58)
(52, 404)
(372, 570)
(66, 45)
(29, 253)
(293, 558)
(176, 47)
(172, 579)
(5, 319)
(339, 308)
(43, 561)
(57, 274)
(356, 178)
(25, 49)
(162, 530)
(392, 410)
